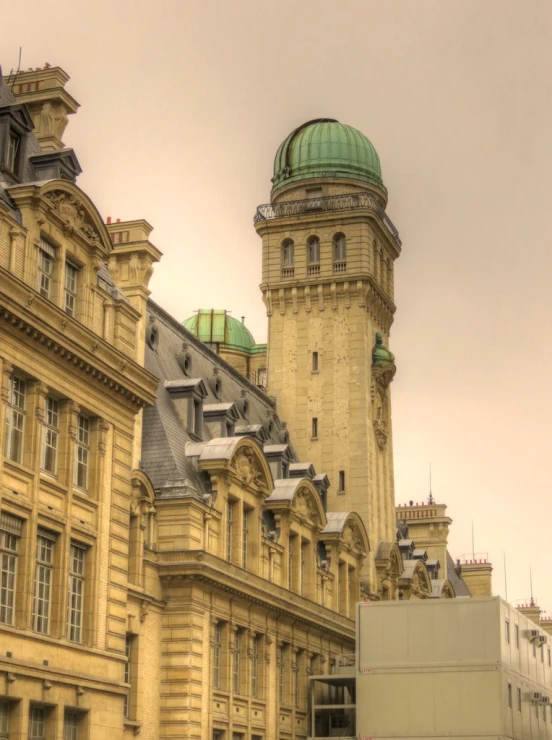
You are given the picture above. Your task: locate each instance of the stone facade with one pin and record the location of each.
(175, 562)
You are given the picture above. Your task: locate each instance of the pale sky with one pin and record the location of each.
(183, 106)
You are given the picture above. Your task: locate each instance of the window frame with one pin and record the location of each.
(255, 666)
(76, 592)
(342, 481)
(217, 652)
(45, 268)
(314, 427)
(71, 732)
(288, 253)
(16, 412)
(35, 709)
(4, 719)
(70, 293)
(315, 362)
(13, 151)
(339, 243)
(509, 695)
(236, 667)
(82, 453)
(44, 566)
(50, 435)
(9, 558)
(313, 250)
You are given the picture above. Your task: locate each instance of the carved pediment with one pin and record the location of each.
(74, 213)
(247, 467)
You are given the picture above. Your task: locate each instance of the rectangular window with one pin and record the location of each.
(516, 632)
(315, 362)
(229, 530)
(8, 563)
(255, 668)
(507, 631)
(13, 151)
(304, 546)
(509, 696)
(71, 725)
(236, 663)
(71, 273)
(196, 417)
(244, 537)
(126, 677)
(4, 720)
(37, 723)
(341, 480)
(50, 436)
(281, 673)
(519, 700)
(216, 655)
(314, 431)
(46, 260)
(534, 649)
(290, 562)
(44, 570)
(82, 453)
(75, 593)
(15, 419)
(542, 653)
(296, 679)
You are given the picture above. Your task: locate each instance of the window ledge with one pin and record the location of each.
(341, 493)
(134, 725)
(314, 439)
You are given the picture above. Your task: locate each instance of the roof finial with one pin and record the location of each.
(430, 499)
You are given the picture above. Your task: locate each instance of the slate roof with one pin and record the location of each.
(335, 522)
(458, 584)
(165, 439)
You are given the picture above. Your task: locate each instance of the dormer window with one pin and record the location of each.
(188, 395)
(12, 155)
(222, 417)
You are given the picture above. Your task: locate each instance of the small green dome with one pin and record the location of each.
(215, 326)
(380, 354)
(326, 148)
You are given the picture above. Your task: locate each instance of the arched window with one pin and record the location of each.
(288, 256)
(340, 253)
(288, 253)
(313, 245)
(313, 256)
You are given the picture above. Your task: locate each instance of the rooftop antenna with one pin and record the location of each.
(531, 585)
(430, 500)
(18, 68)
(473, 542)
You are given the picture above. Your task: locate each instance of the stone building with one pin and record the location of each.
(176, 559)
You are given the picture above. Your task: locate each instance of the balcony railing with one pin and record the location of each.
(289, 208)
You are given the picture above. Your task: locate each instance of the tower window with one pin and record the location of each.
(340, 253)
(315, 362)
(313, 250)
(341, 480)
(314, 432)
(288, 258)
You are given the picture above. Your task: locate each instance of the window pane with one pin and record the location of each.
(37, 724)
(71, 725)
(75, 594)
(15, 417)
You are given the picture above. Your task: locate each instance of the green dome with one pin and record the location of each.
(326, 148)
(215, 326)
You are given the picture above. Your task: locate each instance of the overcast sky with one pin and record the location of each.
(183, 106)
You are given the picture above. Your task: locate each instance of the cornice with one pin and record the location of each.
(64, 336)
(199, 565)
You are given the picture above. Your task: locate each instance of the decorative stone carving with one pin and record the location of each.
(247, 467)
(73, 213)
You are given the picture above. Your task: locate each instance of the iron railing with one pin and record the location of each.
(288, 208)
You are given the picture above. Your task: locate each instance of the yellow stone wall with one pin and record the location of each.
(336, 315)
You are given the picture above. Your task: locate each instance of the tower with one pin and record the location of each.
(328, 249)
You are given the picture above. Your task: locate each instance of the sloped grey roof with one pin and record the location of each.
(166, 444)
(284, 489)
(458, 584)
(335, 522)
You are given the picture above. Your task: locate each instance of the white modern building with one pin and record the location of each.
(451, 668)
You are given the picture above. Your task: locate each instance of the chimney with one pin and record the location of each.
(43, 92)
(531, 611)
(476, 574)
